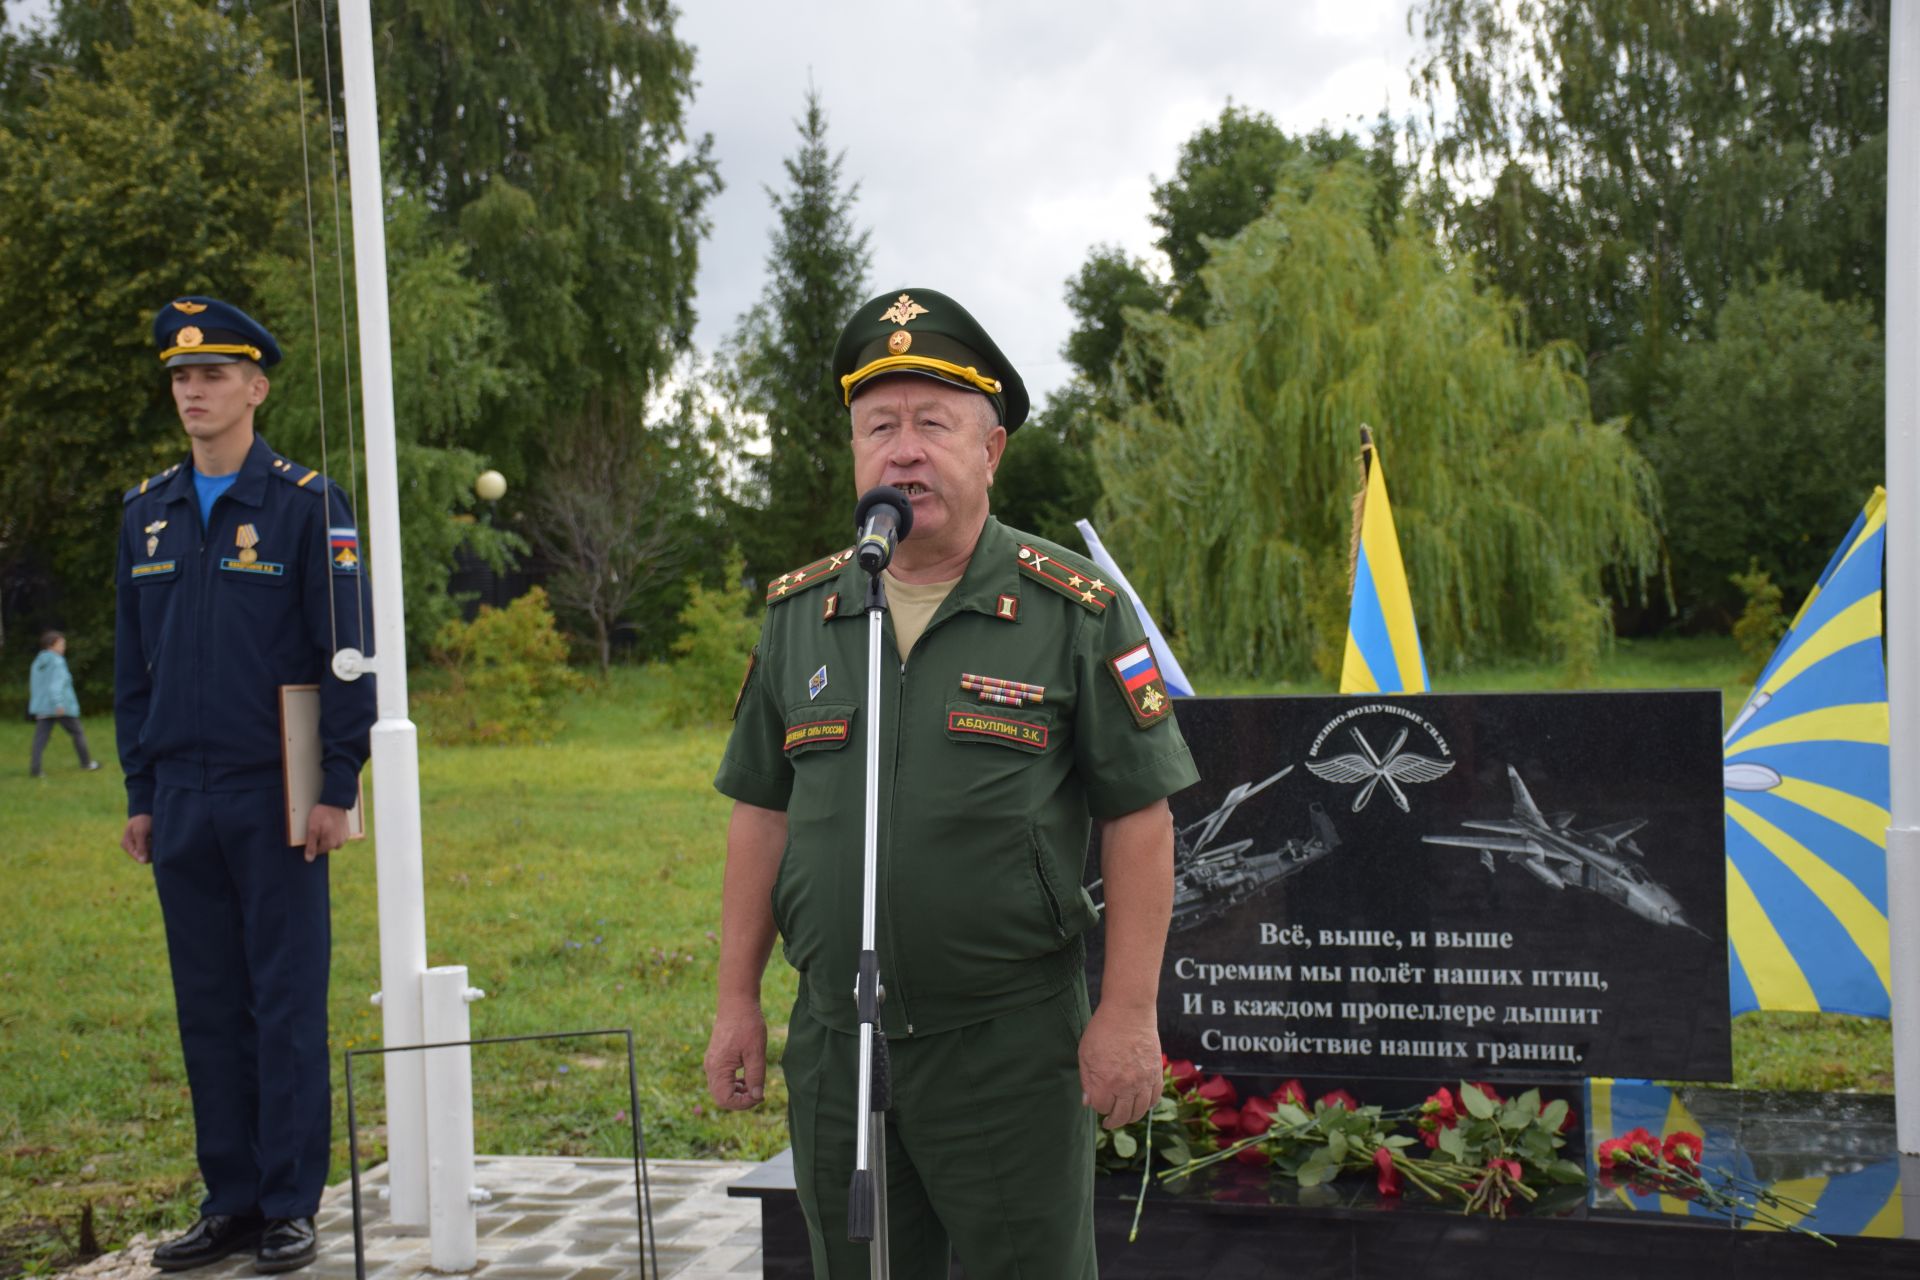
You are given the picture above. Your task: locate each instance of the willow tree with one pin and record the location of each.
(1229, 493)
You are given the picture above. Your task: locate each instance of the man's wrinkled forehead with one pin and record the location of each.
(913, 396)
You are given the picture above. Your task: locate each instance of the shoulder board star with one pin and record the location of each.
(807, 575)
(1065, 578)
(149, 483)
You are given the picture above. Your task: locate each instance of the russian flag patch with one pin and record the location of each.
(343, 548)
(1141, 684)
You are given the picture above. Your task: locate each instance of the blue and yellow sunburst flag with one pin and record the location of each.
(1383, 644)
(1847, 1199)
(1807, 791)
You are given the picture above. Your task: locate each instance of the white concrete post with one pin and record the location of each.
(451, 1189)
(1903, 563)
(396, 761)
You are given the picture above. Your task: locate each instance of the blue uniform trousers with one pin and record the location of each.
(249, 936)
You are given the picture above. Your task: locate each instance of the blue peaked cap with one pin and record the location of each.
(196, 330)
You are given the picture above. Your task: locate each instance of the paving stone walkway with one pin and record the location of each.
(549, 1219)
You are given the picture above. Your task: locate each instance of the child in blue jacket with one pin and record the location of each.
(51, 700)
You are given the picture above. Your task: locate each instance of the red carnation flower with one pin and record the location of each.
(1338, 1098)
(1388, 1181)
(1613, 1154)
(1643, 1145)
(1682, 1150)
(1291, 1091)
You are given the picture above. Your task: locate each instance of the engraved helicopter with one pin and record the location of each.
(1603, 860)
(1207, 882)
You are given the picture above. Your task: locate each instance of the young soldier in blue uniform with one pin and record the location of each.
(1022, 705)
(239, 572)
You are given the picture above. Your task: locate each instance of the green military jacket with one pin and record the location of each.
(1031, 705)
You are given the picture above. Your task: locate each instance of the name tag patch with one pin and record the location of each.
(815, 731)
(259, 568)
(156, 567)
(1000, 728)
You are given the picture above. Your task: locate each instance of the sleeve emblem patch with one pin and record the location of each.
(343, 547)
(1141, 684)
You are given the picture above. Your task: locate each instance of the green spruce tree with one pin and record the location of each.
(797, 499)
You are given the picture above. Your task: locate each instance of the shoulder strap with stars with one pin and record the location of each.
(296, 475)
(148, 483)
(1070, 581)
(794, 581)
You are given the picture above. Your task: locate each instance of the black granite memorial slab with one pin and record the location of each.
(1235, 1223)
(1508, 886)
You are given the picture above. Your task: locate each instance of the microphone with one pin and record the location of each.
(883, 518)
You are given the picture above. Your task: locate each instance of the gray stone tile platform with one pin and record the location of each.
(550, 1218)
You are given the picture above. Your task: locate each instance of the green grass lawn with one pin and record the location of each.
(578, 880)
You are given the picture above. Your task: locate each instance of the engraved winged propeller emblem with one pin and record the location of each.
(1374, 769)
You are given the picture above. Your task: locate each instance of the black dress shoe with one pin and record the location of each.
(212, 1238)
(287, 1244)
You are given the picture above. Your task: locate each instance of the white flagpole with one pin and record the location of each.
(396, 757)
(1903, 562)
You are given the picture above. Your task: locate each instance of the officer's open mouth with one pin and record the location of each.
(913, 488)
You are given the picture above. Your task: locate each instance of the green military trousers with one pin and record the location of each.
(989, 1150)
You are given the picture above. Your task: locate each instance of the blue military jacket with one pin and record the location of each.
(211, 620)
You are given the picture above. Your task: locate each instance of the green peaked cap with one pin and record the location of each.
(926, 333)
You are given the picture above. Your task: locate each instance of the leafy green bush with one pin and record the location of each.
(718, 629)
(1580, 630)
(504, 671)
(1761, 622)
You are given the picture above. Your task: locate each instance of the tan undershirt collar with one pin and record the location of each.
(912, 605)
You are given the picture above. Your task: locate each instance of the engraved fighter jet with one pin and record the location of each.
(1603, 860)
(1208, 881)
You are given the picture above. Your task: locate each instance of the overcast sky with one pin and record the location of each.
(995, 142)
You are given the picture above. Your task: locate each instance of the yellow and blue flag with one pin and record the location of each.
(1383, 645)
(1807, 791)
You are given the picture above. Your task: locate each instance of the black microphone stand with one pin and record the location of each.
(867, 1192)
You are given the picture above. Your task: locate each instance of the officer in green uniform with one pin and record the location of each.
(1021, 704)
